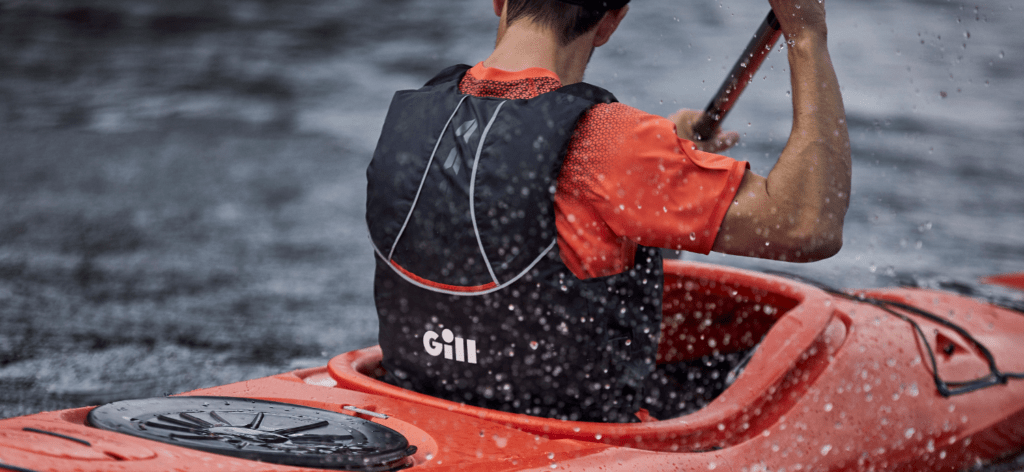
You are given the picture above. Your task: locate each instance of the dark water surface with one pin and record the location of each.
(181, 183)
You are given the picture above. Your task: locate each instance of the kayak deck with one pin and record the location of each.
(834, 384)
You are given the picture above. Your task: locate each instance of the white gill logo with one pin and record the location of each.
(464, 350)
(465, 131)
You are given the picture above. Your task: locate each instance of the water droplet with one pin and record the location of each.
(693, 236)
(909, 433)
(534, 344)
(825, 449)
(828, 407)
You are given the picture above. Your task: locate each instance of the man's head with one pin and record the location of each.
(570, 19)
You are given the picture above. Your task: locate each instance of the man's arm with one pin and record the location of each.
(796, 213)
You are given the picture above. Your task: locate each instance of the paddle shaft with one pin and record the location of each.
(740, 75)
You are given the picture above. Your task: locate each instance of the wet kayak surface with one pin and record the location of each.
(182, 184)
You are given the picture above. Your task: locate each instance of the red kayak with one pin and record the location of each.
(890, 379)
(1007, 280)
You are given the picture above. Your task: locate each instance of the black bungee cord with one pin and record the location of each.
(945, 388)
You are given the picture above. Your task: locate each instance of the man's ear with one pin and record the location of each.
(499, 6)
(608, 25)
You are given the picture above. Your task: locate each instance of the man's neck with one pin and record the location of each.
(525, 44)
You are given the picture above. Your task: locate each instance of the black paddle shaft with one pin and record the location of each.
(740, 75)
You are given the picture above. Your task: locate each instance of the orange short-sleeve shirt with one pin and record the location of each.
(627, 179)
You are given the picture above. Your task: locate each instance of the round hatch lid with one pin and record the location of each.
(260, 430)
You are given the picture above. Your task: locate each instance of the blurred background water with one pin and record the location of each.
(182, 187)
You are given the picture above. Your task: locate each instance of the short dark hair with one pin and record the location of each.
(569, 21)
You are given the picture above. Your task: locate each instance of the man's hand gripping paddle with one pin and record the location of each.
(706, 127)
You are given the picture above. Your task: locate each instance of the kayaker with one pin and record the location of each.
(517, 214)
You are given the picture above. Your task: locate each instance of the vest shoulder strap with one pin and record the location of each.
(589, 92)
(453, 73)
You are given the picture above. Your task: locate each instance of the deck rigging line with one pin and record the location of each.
(945, 388)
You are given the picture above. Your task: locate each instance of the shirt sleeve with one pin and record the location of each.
(632, 179)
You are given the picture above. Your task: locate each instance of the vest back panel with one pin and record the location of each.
(450, 222)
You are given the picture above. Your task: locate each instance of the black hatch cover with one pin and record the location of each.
(265, 431)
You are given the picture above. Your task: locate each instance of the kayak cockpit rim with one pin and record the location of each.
(801, 331)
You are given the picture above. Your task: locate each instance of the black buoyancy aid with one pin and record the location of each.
(473, 300)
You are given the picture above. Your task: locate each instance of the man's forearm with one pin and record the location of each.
(796, 213)
(812, 174)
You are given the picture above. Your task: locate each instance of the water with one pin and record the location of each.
(181, 183)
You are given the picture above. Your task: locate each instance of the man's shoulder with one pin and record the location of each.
(616, 132)
(622, 117)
